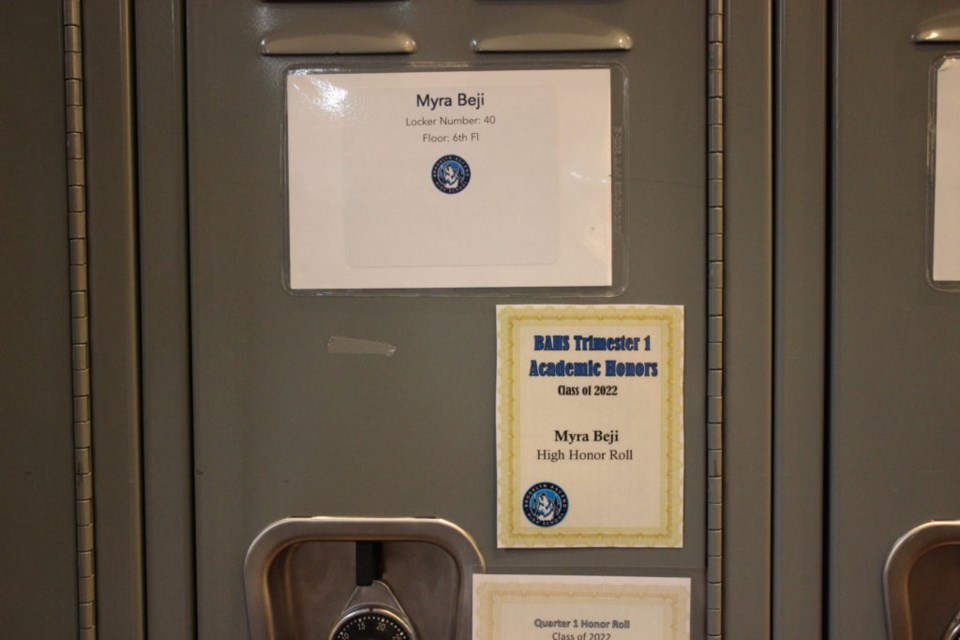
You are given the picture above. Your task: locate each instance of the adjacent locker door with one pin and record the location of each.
(895, 351)
(38, 539)
(284, 427)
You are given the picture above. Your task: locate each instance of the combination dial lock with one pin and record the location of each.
(373, 612)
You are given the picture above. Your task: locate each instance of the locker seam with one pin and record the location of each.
(184, 75)
(138, 299)
(777, 40)
(833, 77)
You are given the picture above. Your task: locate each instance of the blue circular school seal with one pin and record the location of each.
(451, 174)
(545, 504)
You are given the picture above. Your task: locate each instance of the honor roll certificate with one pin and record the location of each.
(590, 426)
(449, 179)
(508, 607)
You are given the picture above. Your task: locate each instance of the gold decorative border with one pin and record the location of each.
(490, 598)
(670, 320)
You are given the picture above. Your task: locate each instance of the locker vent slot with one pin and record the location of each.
(545, 41)
(554, 32)
(944, 28)
(336, 44)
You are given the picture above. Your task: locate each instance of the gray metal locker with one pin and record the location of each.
(198, 439)
(283, 427)
(38, 537)
(777, 187)
(892, 434)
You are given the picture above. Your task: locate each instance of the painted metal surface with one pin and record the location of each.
(38, 536)
(893, 444)
(282, 426)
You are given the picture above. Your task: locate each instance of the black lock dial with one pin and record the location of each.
(373, 612)
(372, 624)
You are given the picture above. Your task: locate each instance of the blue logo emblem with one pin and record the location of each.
(545, 504)
(451, 174)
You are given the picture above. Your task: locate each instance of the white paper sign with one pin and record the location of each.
(449, 179)
(946, 206)
(508, 607)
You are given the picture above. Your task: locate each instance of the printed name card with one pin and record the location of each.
(449, 179)
(508, 607)
(590, 426)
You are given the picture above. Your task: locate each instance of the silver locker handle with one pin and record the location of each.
(905, 554)
(953, 629)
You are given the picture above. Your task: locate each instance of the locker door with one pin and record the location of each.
(893, 434)
(38, 536)
(282, 426)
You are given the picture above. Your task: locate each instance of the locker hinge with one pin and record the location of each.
(715, 225)
(80, 321)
